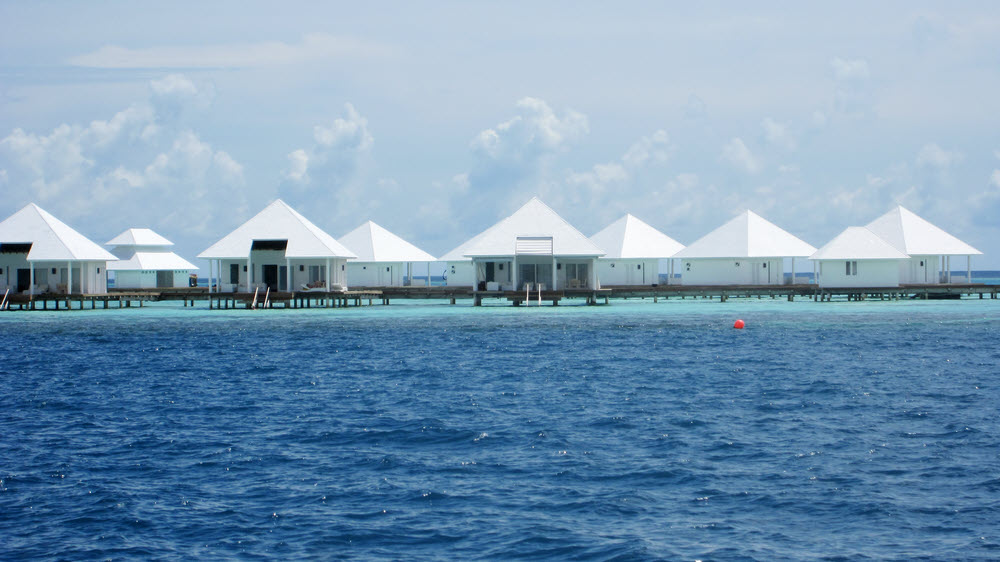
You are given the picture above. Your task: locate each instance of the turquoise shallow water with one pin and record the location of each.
(629, 431)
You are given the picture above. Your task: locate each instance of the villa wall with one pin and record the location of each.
(871, 273)
(732, 271)
(628, 272)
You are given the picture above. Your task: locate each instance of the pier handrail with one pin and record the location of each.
(4, 304)
(539, 294)
(253, 305)
(267, 296)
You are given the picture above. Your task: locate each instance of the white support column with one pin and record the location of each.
(328, 274)
(249, 270)
(793, 271)
(288, 274)
(554, 277)
(968, 268)
(593, 274)
(69, 278)
(428, 274)
(31, 281)
(513, 272)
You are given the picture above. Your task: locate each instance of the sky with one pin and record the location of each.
(437, 119)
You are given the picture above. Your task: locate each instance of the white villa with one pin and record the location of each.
(41, 254)
(633, 251)
(747, 250)
(145, 261)
(278, 249)
(533, 247)
(384, 259)
(929, 248)
(857, 257)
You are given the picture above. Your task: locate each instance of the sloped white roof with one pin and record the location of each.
(50, 238)
(858, 243)
(534, 218)
(913, 235)
(138, 237)
(140, 261)
(372, 243)
(748, 235)
(629, 237)
(278, 221)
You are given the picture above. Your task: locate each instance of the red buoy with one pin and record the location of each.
(738, 325)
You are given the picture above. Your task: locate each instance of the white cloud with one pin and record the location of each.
(934, 156)
(736, 153)
(129, 160)
(850, 69)
(778, 134)
(853, 94)
(995, 178)
(313, 46)
(536, 131)
(337, 153)
(655, 147)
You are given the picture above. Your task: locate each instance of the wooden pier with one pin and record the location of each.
(127, 298)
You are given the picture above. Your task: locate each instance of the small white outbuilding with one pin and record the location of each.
(532, 246)
(41, 254)
(278, 249)
(633, 251)
(384, 259)
(747, 250)
(145, 261)
(930, 249)
(857, 257)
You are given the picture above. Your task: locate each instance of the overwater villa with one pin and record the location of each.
(383, 258)
(39, 254)
(533, 248)
(747, 250)
(633, 251)
(929, 248)
(857, 257)
(280, 250)
(145, 261)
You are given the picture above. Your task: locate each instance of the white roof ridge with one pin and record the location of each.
(50, 238)
(858, 243)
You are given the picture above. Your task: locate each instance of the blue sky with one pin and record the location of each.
(437, 119)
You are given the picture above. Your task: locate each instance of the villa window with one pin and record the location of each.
(851, 267)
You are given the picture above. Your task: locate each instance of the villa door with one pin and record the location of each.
(164, 279)
(23, 279)
(271, 276)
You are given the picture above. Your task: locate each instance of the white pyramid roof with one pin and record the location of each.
(278, 221)
(138, 237)
(145, 261)
(372, 243)
(629, 237)
(50, 238)
(858, 243)
(533, 219)
(748, 235)
(913, 235)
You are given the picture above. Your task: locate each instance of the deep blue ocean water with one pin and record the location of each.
(837, 431)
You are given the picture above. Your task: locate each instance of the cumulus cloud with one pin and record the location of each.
(312, 47)
(778, 134)
(337, 152)
(934, 156)
(850, 70)
(853, 95)
(536, 131)
(739, 156)
(128, 160)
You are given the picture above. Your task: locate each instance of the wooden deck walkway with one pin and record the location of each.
(127, 298)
